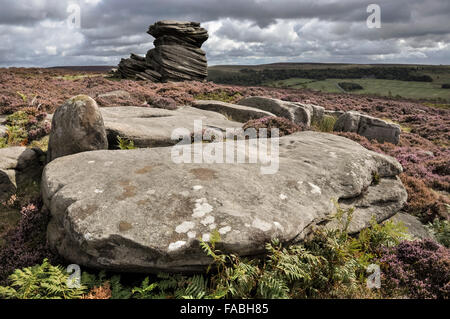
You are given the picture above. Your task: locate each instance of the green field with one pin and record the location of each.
(412, 90)
(328, 81)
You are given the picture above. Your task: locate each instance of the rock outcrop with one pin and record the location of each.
(299, 113)
(77, 126)
(369, 127)
(414, 226)
(239, 113)
(139, 211)
(2, 126)
(177, 55)
(308, 114)
(20, 167)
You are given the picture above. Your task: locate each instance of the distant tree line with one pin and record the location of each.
(249, 76)
(348, 86)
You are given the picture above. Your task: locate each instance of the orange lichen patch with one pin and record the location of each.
(204, 174)
(124, 226)
(143, 202)
(86, 212)
(144, 170)
(128, 190)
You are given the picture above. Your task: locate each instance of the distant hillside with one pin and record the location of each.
(92, 68)
(425, 82)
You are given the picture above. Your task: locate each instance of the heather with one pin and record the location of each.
(25, 245)
(268, 123)
(420, 269)
(26, 126)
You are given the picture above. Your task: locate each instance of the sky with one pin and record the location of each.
(43, 33)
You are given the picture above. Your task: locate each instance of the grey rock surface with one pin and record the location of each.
(153, 127)
(2, 125)
(19, 167)
(236, 112)
(136, 67)
(77, 126)
(415, 227)
(179, 32)
(139, 211)
(115, 94)
(368, 126)
(178, 62)
(299, 113)
(334, 113)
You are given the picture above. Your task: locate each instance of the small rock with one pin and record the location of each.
(77, 126)
(19, 168)
(369, 127)
(415, 227)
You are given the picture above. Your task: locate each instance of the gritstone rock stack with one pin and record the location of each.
(177, 55)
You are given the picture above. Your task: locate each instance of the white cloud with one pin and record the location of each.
(35, 33)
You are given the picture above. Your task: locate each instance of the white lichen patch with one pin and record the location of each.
(91, 162)
(87, 236)
(261, 225)
(177, 245)
(191, 234)
(151, 192)
(315, 189)
(99, 191)
(206, 237)
(201, 208)
(278, 226)
(283, 197)
(197, 187)
(184, 227)
(108, 163)
(184, 194)
(212, 227)
(208, 220)
(224, 230)
(333, 155)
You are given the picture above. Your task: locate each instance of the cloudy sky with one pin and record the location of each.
(37, 32)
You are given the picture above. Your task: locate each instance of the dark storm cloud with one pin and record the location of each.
(34, 32)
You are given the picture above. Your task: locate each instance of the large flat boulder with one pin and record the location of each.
(153, 127)
(139, 211)
(236, 112)
(368, 126)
